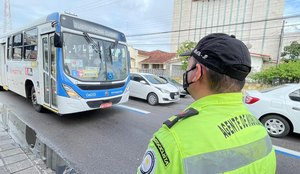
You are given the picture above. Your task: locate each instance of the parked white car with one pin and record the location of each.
(182, 92)
(152, 88)
(277, 108)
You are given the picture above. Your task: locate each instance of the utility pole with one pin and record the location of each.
(178, 40)
(280, 42)
(7, 16)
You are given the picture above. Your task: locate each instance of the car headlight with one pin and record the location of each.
(163, 90)
(181, 89)
(71, 93)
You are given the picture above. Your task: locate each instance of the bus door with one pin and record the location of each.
(49, 70)
(2, 65)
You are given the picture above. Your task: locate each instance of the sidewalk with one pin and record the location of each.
(15, 160)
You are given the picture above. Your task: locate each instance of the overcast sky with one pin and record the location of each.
(128, 16)
(292, 7)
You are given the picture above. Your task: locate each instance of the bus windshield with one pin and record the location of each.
(94, 61)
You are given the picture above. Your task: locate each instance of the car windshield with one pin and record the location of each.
(174, 81)
(272, 89)
(155, 79)
(97, 61)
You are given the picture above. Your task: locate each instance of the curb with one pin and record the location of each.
(17, 160)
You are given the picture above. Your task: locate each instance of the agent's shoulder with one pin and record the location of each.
(181, 116)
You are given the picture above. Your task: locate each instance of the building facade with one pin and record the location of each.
(156, 62)
(258, 23)
(136, 59)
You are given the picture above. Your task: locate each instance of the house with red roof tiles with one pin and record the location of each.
(163, 63)
(156, 62)
(156, 59)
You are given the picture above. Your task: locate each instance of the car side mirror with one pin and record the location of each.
(57, 40)
(143, 82)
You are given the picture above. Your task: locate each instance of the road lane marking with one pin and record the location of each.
(133, 109)
(287, 152)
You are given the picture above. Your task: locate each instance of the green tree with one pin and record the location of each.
(292, 52)
(285, 72)
(184, 47)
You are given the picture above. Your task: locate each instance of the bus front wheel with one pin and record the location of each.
(36, 106)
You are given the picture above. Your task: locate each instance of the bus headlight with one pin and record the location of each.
(71, 93)
(127, 88)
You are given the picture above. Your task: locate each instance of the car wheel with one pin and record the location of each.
(152, 99)
(36, 106)
(276, 125)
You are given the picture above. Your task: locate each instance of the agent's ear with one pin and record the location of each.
(197, 74)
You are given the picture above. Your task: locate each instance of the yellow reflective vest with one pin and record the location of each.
(215, 134)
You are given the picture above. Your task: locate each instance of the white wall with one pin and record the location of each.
(135, 58)
(256, 64)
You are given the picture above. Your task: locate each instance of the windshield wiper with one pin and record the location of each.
(113, 46)
(95, 45)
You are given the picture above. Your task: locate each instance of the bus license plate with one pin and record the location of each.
(106, 105)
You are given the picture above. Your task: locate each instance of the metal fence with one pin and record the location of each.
(279, 81)
(159, 72)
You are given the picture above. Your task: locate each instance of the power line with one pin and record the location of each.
(186, 34)
(253, 38)
(168, 44)
(169, 19)
(240, 23)
(96, 6)
(161, 21)
(88, 4)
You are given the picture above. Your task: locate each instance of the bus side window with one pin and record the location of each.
(30, 44)
(17, 46)
(30, 52)
(33, 55)
(9, 47)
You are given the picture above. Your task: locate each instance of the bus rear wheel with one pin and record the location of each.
(36, 106)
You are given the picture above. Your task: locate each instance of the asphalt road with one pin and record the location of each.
(114, 140)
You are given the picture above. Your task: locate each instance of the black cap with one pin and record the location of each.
(224, 54)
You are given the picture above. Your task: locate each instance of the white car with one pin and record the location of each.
(277, 108)
(173, 82)
(152, 88)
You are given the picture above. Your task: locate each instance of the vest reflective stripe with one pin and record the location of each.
(228, 159)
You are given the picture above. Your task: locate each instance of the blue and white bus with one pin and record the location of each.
(66, 64)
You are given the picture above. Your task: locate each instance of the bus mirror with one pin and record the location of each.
(57, 40)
